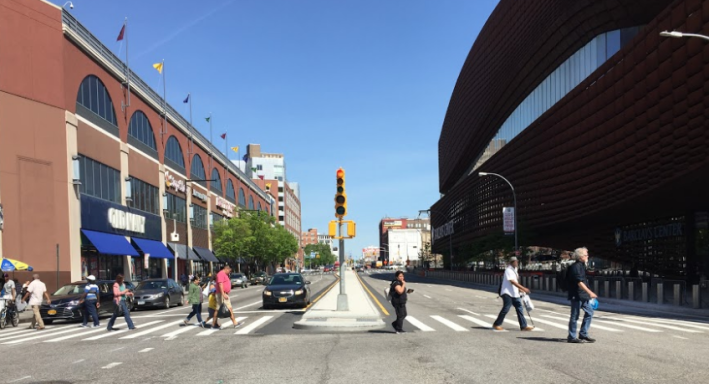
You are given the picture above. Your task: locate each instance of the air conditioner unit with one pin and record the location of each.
(175, 237)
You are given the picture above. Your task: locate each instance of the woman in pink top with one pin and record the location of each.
(119, 298)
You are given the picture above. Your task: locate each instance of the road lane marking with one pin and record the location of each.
(595, 326)
(516, 323)
(253, 325)
(78, 361)
(450, 324)
(654, 325)
(381, 307)
(471, 312)
(182, 329)
(72, 336)
(20, 379)
(427, 296)
(248, 305)
(479, 322)
(113, 333)
(34, 331)
(151, 330)
(680, 337)
(43, 334)
(418, 324)
(145, 350)
(679, 322)
(109, 366)
(213, 330)
(619, 324)
(18, 331)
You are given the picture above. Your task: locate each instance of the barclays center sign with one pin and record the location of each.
(623, 236)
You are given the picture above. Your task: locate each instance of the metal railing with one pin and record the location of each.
(146, 92)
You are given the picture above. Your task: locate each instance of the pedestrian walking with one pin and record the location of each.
(10, 288)
(194, 298)
(212, 303)
(91, 302)
(399, 295)
(579, 294)
(119, 299)
(36, 290)
(223, 286)
(510, 293)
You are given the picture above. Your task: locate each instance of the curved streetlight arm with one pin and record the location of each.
(678, 34)
(514, 197)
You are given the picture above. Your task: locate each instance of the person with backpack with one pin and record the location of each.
(580, 295)
(510, 295)
(399, 295)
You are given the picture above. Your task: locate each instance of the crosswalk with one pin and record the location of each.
(554, 322)
(166, 329)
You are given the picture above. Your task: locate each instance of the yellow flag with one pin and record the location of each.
(235, 149)
(158, 66)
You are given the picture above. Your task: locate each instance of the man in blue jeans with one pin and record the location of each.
(579, 294)
(511, 297)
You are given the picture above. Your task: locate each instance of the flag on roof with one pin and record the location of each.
(120, 34)
(187, 99)
(158, 66)
(223, 135)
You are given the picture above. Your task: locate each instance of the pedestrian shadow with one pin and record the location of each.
(545, 339)
(383, 331)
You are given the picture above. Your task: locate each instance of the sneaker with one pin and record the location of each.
(401, 331)
(111, 329)
(201, 325)
(587, 339)
(186, 322)
(132, 329)
(527, 329)
(40, 328)
(575, 341)
(95, 325)
(497, 328)
(82, 326)
(217, 328)
(239, 324)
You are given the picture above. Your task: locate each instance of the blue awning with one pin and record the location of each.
(156, 249)
(109, 244)
(183, 252)
(206, 254)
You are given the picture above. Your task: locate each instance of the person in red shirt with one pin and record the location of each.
(223, 286)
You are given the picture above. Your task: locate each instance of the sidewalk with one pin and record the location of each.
(361, 315)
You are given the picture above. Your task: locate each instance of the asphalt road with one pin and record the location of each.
(449, 341)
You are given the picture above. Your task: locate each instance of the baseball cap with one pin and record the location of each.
(90, 277)
(513, 258)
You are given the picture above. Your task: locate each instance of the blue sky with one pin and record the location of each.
(358, 84)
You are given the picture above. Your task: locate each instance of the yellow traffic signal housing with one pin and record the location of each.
(341, 195)
(332, 229)
(351, 229)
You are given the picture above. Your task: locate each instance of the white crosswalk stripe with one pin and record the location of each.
(619, 324)
(449, 324)
(416, 323)
(252, 326)
(479, 322)
(683, 323)
(593, 325)
(183, 329)
(44, 333)
(20, 333)
(120, 331)
(654, 325)
(151, 330)
(75, 335)
(515, 323)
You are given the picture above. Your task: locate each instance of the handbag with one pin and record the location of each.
(528, 303)
(224, 312)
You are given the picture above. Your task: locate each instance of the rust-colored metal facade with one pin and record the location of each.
(627, 148)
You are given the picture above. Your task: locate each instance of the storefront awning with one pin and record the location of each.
(206, 254)
(182, 252)
(109, 244)
(156, 249)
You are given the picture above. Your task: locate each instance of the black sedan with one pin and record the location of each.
(158, 293)
(66, 302)
(286, 289)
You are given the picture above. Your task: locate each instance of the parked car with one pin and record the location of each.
(238, 280)
(360, 268)
(158, 293)
(65, 302)
(286, 289)
(259, 278)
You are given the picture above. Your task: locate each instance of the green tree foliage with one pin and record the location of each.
(326, 256)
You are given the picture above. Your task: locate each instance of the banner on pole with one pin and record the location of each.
(508, 220)
(145, 260)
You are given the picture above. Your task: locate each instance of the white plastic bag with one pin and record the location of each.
(528, 303)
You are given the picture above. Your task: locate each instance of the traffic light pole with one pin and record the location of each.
(342, 304)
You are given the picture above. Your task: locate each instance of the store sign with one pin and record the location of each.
(445, 230)
(508, 220)
(199, 195)
(104, 216)
(225, 206)
(175, 184)
(126, 221)
(393, 223)
(648, 233)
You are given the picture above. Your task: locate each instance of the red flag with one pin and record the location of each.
(223, 136)
(260, 177)
(120, 35)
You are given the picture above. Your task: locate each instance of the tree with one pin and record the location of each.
(425, 254)
(232, 238)
(326, 256)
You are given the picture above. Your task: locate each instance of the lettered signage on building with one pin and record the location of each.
(173, 183)
(226, 207)
(126, 221)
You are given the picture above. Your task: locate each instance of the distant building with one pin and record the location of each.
(421, 226)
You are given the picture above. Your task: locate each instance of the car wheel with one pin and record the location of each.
(167, 302)
(182, 300)
(48, 322)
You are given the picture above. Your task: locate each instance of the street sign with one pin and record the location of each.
(508, 220)
(312, 255)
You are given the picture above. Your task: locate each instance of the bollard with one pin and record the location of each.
(660, 293)
(535, 283)
(676, 298)
(546, 284)
(606, 289)
(695, 296)
(595, 287)
(645, 298)
(618, 290)
(553, 284)
(631, 291)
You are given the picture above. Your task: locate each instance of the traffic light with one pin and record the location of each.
(341, 195)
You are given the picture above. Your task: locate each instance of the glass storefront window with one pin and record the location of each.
(104, 267)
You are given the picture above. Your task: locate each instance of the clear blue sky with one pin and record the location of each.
(358, 84)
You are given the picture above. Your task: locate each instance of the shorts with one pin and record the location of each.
(223, 299)
(211, 312)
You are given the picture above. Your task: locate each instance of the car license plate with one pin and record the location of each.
(141, 302)
(282, 299)
(52, 312)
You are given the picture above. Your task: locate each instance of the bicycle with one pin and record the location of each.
(9, 312)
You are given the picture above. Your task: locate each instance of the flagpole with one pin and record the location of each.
(211, 141)
(189, 97)
(164, 97)
(127, 64)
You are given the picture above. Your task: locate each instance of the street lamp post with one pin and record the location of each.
(450, 234)
(678, 35)
(514, 197)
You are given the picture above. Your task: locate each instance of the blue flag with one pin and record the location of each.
(187, 99)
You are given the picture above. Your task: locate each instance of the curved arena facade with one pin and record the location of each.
(600, 124)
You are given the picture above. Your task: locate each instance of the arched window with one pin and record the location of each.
(216, 186)
(140, 129)
(251, 203)
(197, 170)
(93, 97)
(259, 206)
(230, 193)
(173, 154)
(242, 198)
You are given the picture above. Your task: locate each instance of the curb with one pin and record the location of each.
(330, 324)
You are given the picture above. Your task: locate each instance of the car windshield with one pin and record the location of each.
(70, 289)
(236, 275)
(152, 285)
(260, 274)
(286, 279)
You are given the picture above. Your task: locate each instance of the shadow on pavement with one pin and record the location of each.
(546, 339)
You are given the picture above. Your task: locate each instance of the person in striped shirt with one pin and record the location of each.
(91, 301)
